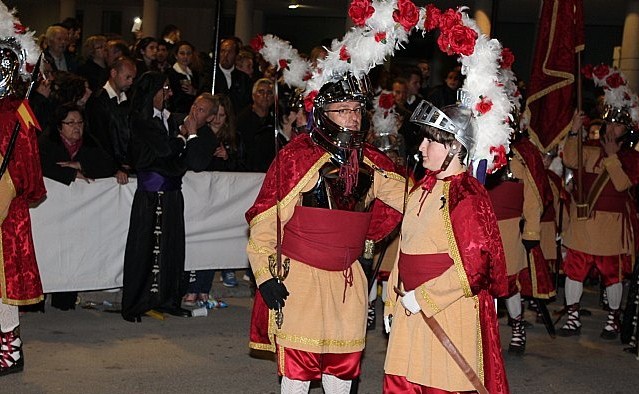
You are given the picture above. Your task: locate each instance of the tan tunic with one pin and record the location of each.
(413, 350)
(603, 233)
(323, 314)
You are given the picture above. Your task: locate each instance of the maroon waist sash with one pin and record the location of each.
(610, 200)
(415, 269)
(324, 238)
(508, 200)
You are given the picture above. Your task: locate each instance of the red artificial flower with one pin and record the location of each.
(433, 14)
(586, 71)
(459, 40)
(484, 105)
(30, 67)
(360, 11)
(601, 71)
(307, 76)
(449, 19)
(507, 58)
(380, 37)
(308, 100)
(615, 80)
(406, 14)
(283, 64)
(344, 55)
(499, 157)
(386, 100)
(257, 43)
(18, 28)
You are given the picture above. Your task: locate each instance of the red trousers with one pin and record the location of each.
(394, 384)
(301, 365)
(577, 265)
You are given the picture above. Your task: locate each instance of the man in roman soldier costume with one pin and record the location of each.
(603, 224)
(520, 194)
(323, 185)
(20, 185)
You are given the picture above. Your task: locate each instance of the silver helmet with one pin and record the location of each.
(332, 137)
(12, 58)
(454, 119)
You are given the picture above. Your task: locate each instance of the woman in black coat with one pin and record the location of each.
(67, 153)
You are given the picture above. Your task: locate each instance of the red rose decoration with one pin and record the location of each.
(586, 71)
(381, 37)
(459, 40)
(360, 11)
(507, 58)
(433, 14)
(449, 19)
(30, 67)
(484, 105)
(615, 80)
(406, 14)
(257, 43)
(307, 76)
(308, 100)
(499, 158)
(283, 64)
(19, 29)
(601, 71)
(344, 55)
(386, 100)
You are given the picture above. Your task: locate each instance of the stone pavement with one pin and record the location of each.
(93, 351)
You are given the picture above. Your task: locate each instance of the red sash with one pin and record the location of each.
(324, 238)
(610, 200)
(507, 199)
(415, 269)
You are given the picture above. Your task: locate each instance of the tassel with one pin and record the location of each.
(348, 172)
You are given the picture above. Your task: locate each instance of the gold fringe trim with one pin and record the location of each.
(452, 243)
(480, 349)
(429, 301)
(321, 342)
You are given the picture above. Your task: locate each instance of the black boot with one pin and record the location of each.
(11, 357)
(371, 319)
(612, 327)
(518, 339)
(573, 324)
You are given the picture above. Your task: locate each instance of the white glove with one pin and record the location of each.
(410, 302)
(387, 323)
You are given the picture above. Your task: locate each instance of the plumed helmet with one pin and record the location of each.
(455, 119)
(328, 134)
(11, 59)
(619, 115)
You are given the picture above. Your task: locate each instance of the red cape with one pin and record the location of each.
(20, 279)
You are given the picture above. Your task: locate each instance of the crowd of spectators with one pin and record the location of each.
(82, 102)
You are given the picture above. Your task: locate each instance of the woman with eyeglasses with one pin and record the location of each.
(94, 68)
(154, 254)
(68, 154)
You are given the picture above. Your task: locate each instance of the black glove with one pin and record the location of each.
(367, 266)
(274, 293)
(529, 244)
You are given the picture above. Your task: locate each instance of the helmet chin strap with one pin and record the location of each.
(454, 150)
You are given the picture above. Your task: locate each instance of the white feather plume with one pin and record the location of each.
(8, 26)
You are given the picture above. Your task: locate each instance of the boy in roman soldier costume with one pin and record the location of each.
(602, 226)
(451, 263)
(21, 185)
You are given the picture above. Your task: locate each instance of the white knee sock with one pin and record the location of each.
(614, 293)
(9, 317)
(334, 385)
(513, 304)
(384, 287)
(290, 386)
(573, 291)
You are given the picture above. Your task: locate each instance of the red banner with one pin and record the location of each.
(551, 92)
